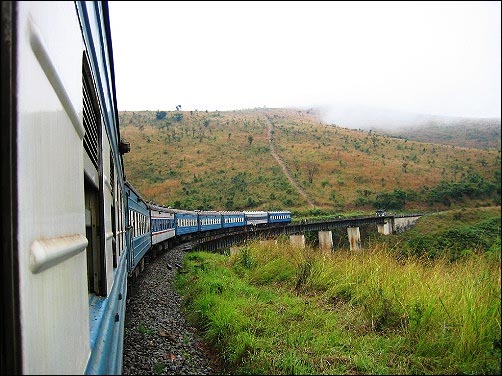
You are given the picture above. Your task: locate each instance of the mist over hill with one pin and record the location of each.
(458, 131)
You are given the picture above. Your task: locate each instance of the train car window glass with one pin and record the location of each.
(133, 224)
(112, 173)
(123, 221)
(131, 221)
(119, 225)
(114, 233)
(113, 211)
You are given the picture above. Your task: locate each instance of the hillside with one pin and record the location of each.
(481, 133)
(289, 159)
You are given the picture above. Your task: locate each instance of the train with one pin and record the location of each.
(158, 227)
(73, 228)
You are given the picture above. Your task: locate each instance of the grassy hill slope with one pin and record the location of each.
(223, 160)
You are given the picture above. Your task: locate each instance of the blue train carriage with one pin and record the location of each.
(62, 197)
(233, 219)
(256, 217)
(162, 225)
(282, 216)
(209, 220)
(186, 221)
(139, 227)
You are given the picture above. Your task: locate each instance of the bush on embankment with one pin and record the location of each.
(453, 234)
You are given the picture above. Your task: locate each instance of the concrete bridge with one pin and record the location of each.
(226, 238)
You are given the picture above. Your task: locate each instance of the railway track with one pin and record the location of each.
(157, 337)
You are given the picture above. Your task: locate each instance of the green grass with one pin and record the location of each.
(275, 309)
(144, 330)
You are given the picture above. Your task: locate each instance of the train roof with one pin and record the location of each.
(208, 212)
(130, 186)
(232, 212)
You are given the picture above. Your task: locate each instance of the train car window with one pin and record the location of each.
(114, 241)
(113, 211)
(119, 217)
(112, 173)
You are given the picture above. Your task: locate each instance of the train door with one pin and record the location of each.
(93, 186)
(92, 232)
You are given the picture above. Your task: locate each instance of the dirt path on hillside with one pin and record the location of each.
(283, 165)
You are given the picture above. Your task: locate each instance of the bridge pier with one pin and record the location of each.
(325, 241)
(386, 228)
(297, 240)
(354, 238)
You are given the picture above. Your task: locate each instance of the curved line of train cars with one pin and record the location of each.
(152, 225)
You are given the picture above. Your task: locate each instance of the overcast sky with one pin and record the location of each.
(440, 58)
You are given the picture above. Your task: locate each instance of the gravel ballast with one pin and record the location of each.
(157, 338)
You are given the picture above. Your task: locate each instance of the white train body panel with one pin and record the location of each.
(256, 217)
(161, 235)
(54, 303)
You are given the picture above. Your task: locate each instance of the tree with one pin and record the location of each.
(160, 115)
(250, 139)
(312, 169)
